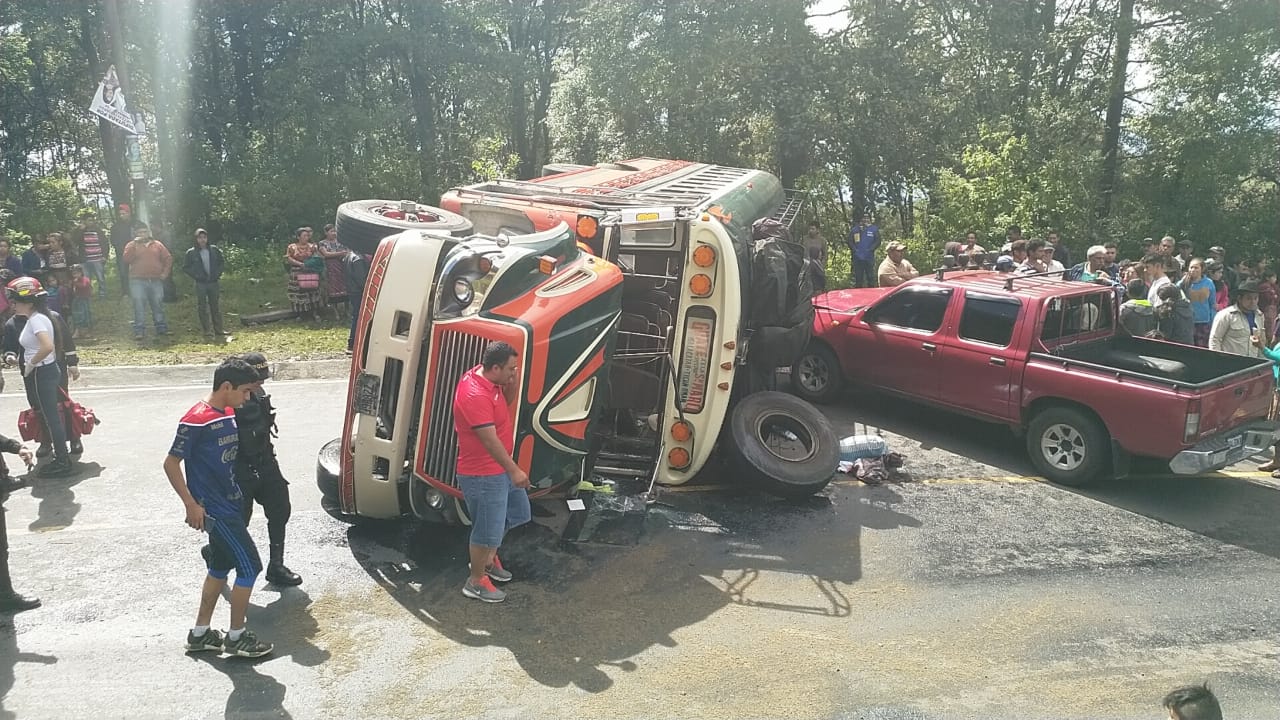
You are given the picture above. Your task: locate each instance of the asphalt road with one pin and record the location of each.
(963, 590)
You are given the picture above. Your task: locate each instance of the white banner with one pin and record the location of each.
(108, 102)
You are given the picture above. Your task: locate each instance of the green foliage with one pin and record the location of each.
(943, 115)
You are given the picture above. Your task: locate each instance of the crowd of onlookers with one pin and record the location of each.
(1170, 292)
(321, 276)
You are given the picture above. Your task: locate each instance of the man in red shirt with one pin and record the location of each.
(491, 482)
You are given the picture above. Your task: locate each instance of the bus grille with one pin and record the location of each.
(458, 352)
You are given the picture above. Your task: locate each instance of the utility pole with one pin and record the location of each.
(133, 151)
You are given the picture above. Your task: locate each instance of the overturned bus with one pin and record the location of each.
(650, 302)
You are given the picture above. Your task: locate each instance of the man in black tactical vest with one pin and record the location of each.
(258, 472)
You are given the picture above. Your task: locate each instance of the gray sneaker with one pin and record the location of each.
(483, 591)
(247, 646)
(210, 640)
(496, 572)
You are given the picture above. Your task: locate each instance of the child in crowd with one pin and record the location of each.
(56, 296)
(81, 294)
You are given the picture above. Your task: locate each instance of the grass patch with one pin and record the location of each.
(245, 291)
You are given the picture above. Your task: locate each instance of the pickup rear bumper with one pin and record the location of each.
(1226, 448)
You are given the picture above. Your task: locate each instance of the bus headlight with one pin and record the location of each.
(462, 291)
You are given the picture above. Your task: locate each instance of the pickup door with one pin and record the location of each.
(983, 370)
(897, 343)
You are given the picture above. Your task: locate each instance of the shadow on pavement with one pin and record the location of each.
(1232, 510)
(10, 657)
(255, 694)
(575, 610)
(966, 438)
(58, 507)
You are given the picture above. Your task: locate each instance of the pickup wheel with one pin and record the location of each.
(782, 444)
(1068, 446)
(362, 224)
(816, 375)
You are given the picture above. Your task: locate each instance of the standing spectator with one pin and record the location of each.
(9, 261)
(1221, 290)
(67, 355)
(40, 371)
(1159, 268)
(1013, 234)
(1034, 263)
(205, 444)
(1219, 253)
(1013, 258)
(258, 471)
(357, 269)
(121, 235)
(1112, 266)
(1237, 328)
(305, 264)
(149, 264)
(1093, 269)
(203, 263)
(60, 261)
(1185, 251)
(10, 600)
(492, 484)
(815, 243)
(81, 292)
(335, 279)
(1061, 253)
(1177, 321)
(1150, 246)
(970, 247)
(1273, 354)
(863, 240)
(1202, 293)
(1137, 317)
(35, 261)
(1268, 302)
(1194, 702)
(1166, 245)
(93, 255)
(896, 269)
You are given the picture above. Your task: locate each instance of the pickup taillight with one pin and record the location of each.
(1191, 428)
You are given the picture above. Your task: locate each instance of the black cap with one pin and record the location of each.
(259, 363)
(1249, 286)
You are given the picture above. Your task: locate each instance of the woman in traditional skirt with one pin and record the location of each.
(335, 276)
(305, 264)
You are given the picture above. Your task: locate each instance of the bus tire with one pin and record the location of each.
(782, 444)
(362, 224)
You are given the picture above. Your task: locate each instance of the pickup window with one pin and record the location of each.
(1077, 318)
(990, 320)
(914, 308)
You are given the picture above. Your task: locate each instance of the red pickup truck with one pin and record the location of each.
(1043, 356)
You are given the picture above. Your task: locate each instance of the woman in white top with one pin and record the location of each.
(40, 369)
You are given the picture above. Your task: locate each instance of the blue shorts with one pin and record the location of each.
(231, 547)
(495, 506)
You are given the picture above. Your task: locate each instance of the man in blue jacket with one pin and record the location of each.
(863, 240)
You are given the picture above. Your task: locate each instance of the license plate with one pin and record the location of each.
(368, 389)
(1235, 442)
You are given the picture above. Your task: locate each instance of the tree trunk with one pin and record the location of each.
(422, 93)
(1115, 110)
(112, 138)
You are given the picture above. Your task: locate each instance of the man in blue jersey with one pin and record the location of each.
(206, 445)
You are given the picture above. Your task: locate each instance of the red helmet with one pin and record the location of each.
(24, 288)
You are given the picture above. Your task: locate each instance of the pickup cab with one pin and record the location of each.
(1043, 356)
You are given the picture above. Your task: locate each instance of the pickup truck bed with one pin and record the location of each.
(1186, 365)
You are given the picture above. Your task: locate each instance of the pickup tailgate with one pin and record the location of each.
(1239, 398)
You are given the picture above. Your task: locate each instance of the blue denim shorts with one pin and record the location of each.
(495, 506)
